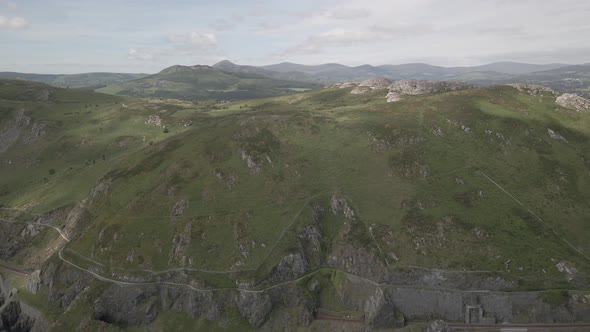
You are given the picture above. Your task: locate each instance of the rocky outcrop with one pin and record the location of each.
(555, 135)
(254, 166)
(420, 87)
(18, 316)
(393, 97)
(573, 102)
(180, 245)
(179, 208)
(34, 282)
(154, 120)
(254, 307)
(12, 319)
(437, 326)
(371, 84)
(11, 132)
(126, 305)
(531, 89)
(358, 261)
(338, 204)
(344, 85)
(37, 130)
(290, 267)
(75, 220)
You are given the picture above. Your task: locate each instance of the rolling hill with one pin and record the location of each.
(121, 212)
(204, 82)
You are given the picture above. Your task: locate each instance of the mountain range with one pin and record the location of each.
(229, 81)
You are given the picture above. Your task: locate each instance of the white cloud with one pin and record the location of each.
(195, 45)
(140, 54)
(345, 13)
(222, 25)
(13, 23)
(339, 37)
(195, 39)
(8, 4)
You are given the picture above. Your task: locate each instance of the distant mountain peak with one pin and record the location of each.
(224, 63)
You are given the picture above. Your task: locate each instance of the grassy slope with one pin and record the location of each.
(402, 179)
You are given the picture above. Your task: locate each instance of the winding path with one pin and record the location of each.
(535, 215)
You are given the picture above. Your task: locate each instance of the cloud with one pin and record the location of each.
(339, 37)
(345, 13)
(140, 55)
(8, 4)
(333, 38)
(13, 23)
(222, 25)
(191, 44)
(195, 39)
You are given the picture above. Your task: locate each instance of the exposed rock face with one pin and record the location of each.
(154, 120)
(180, 245)
(573, 102)
(437, 326)
(358, 261)
(10, 134)
(371, 84)
(75, 220)
(290, 267)
(393, 97)
(555, 135)
(34, 281)
(531, 89)
(126, 305)
(37, 130)
(567, 269)
(344, 85)
(17, 316)
(376, 83)
(339, 204)
(179, 208)
(101, 188)
(12, 319)
(254, 307)
(420, 87)
(254, 167)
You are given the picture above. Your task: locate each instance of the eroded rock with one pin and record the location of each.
(531, 89)
(419, 87)
(179, 208)
(573, 102)
(338, 204)
(254, 307)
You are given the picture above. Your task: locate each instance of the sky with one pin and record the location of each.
(73, 36)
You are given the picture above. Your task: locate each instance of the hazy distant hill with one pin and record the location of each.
(205, 82)
(336, 72)
(85, 80)
(565, 79)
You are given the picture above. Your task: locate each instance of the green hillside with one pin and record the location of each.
(195, 83)
(233, 195)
